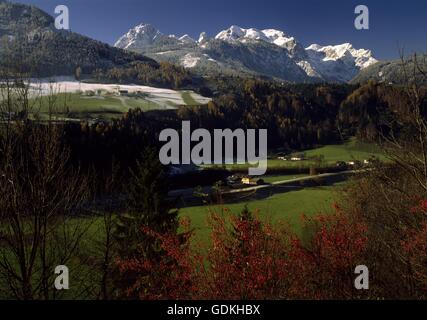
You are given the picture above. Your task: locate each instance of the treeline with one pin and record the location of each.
(163, 74)
(370, 111)
(46, 53)
(297, 117)
(83, 57)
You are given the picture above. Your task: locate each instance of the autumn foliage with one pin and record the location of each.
(247, 260)
(167, 276)
(252, 259)
(324, 267)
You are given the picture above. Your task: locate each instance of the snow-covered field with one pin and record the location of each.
(162, 97)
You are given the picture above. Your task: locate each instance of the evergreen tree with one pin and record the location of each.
(148, 207)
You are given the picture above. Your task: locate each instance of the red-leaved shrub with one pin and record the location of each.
(323, 268)
(171, 275)
(247, 259)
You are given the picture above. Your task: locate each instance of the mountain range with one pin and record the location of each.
(29, 39)
(269, 52)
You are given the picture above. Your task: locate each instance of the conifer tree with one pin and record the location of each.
(148, 209)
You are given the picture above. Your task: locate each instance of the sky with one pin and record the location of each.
(394, 24)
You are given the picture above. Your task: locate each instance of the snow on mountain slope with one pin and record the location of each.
(362, 58)
(189, 60)
(277, 37)
(269, 52)
(203, 38)
(141, 35)
(145, 35)
(187, 39)
(336, 63)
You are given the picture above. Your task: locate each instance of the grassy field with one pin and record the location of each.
(188, 99)
(287, 207)
(83, 107)
(349, 151)
(109, 106)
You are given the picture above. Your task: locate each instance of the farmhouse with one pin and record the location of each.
(252, 181)
(298, 157)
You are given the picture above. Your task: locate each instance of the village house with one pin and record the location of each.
(298, 157)
(252, 181)
(295, 157)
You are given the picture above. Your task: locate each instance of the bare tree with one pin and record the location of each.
(41, 194)
(385, 196)
(405, 139)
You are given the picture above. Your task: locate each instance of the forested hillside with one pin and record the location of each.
(30, 44)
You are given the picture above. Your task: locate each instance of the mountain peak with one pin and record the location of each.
(187, 39)
(141, 35)
(273, 36)
(203, 38)
(362, 58)
(236, 33)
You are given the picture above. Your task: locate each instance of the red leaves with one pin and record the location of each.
(248, 259)
(169, 275)
(252, 259)
(420, 209)
(415, 245)
(326, 263)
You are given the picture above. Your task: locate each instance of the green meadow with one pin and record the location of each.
(188, 99)
(350, 150)
(105, 106)
(285, 207)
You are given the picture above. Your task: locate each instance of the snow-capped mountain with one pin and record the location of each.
(203, 38)
(145, 35)
(139, 36)
(237, 34)
(267, 52)
(363, 58)
(186, 39)
(341, 62)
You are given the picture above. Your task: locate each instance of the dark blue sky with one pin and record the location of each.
(394, 24)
